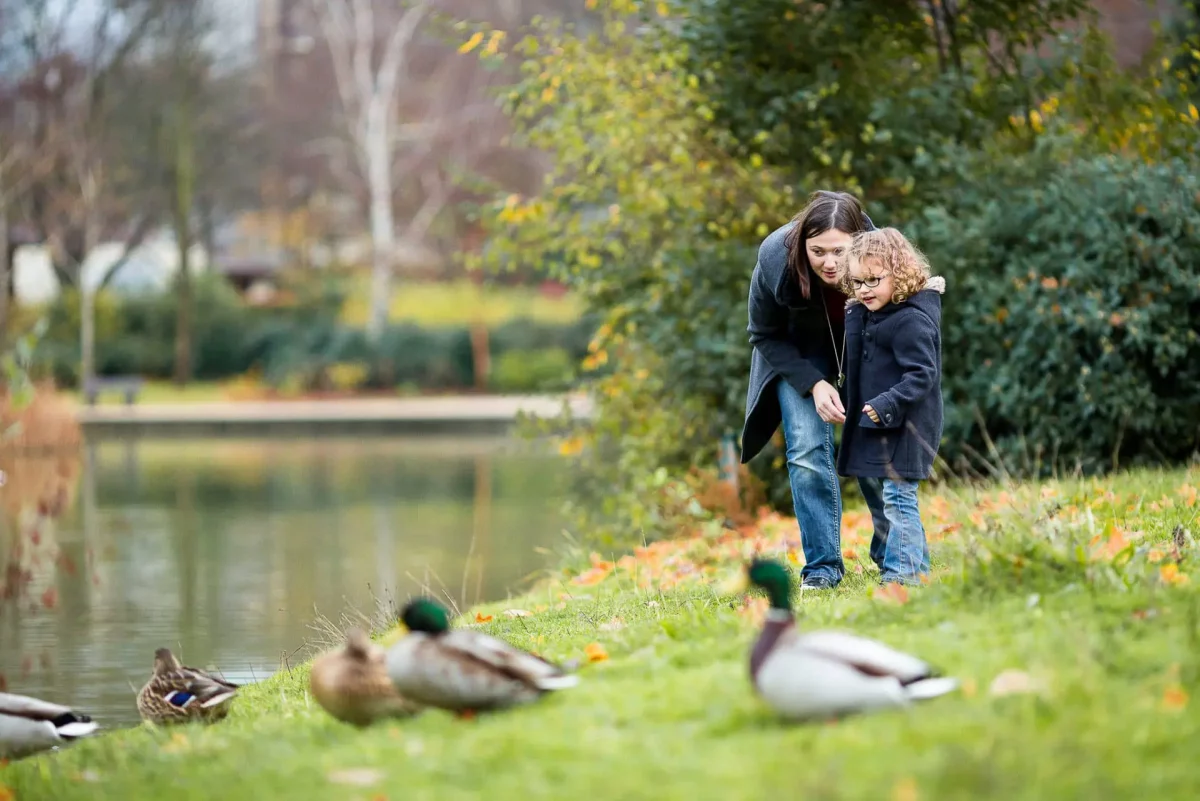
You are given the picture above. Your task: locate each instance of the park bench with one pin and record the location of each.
(128, 385)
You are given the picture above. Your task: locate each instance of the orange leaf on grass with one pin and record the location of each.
(1175, 698)
(905, 790)
(1170, 575)
(480, 617)
(595, 652)
(593, 575)
(754, 609)
(893, 593)
(5, 793)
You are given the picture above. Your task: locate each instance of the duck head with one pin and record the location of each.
(358, 644)
(425, 615)
(773, 579)
(165, 661)
(768, 575)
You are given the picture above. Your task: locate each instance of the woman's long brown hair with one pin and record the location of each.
(825, 211)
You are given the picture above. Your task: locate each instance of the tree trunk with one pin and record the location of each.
(87, 294)
(5, 265)
(383, 228)
(183, 197)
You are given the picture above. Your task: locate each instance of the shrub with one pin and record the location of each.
(302, 347)
(1071, 317)
(545, 370)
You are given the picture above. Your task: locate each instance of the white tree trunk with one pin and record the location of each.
(5, 267)
(383, 225)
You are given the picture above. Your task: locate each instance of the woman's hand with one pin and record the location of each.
(869, 412)
(829, 403)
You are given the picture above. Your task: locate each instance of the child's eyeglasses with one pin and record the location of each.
(871, 283)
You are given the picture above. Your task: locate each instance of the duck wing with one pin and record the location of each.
(500, 656)
(865, 655)
(207, 688)
(67, 721)
(23, 706)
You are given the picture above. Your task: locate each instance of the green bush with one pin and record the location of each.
(545, 370)
(294, 346)
(1071, 317)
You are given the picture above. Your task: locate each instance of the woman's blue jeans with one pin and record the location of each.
(816, 494)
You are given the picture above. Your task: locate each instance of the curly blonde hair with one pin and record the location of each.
(900, 258)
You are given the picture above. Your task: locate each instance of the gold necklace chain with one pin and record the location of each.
(841, 379)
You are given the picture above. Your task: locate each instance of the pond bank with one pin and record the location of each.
(471, 414)
(1065, 609)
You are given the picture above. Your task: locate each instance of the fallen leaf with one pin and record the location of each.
(6, 794)
(1170, 574)
(540, 608)
(1015, 682)
(969, 687)
(359, 777)
(595, 652)
(849, 554)
(516, 613)
(858, 568)
(177, 744)
(1155, 555)
(480, 617)
(591, 576)
(893, 592)
(613, 625)
(755, 609)
(905, 790)
(1175, 698)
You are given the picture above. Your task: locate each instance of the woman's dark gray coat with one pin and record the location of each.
(790, 338)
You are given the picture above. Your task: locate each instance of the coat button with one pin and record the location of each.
(887, 417)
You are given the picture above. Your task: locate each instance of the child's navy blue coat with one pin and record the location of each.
(894, 363)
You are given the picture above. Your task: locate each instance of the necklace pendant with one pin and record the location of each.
(841, 380)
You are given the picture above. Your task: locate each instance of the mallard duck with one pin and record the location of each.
(29, 725)
(828, 674)
(176, 693)
(352, 684)
(465, 671)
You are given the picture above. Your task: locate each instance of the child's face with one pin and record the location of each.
(872, 285)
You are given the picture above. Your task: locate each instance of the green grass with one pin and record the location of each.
(1064, 582)
(460, 303)
(161, 392)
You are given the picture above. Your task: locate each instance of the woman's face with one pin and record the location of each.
(825, 254)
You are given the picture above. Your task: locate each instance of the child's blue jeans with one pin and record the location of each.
(898, 546)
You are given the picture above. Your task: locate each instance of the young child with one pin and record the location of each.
(893, 392)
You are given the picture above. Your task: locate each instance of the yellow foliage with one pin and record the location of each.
(472, 43)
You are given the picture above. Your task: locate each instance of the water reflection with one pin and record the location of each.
(227, 550)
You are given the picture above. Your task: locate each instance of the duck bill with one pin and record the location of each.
(735, 585)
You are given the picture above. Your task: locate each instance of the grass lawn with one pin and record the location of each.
(161, 392)
(460, 303)
(1077, 585)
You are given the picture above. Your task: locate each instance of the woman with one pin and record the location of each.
(797, 327)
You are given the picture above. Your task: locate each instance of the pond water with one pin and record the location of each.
(228, 551)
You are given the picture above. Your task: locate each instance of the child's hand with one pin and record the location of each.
(869, 412)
